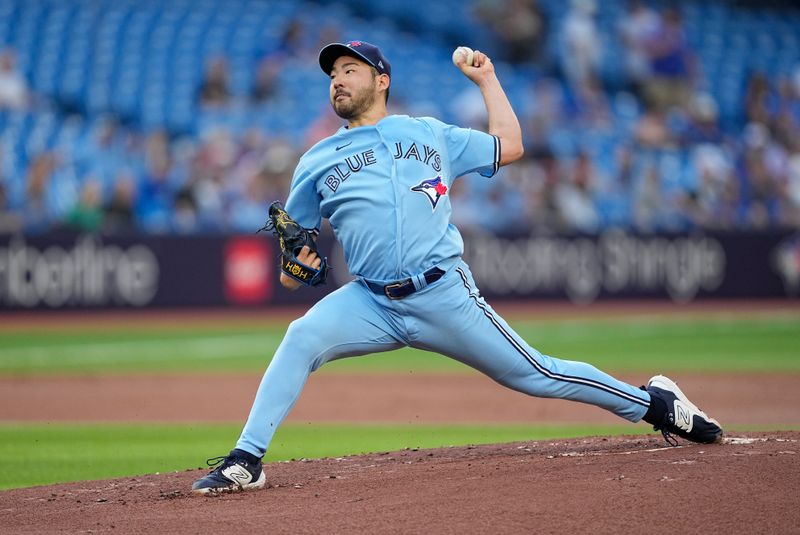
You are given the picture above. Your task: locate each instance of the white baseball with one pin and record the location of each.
(463, 53)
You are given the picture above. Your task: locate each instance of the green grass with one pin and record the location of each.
(718, 343)
(66, 452)
(74, 452)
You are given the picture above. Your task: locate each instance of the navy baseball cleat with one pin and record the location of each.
(239, 471)
(679, 415)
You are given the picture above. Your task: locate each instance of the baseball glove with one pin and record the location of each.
(292, 237)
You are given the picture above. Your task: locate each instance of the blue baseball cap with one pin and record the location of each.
(362, 50)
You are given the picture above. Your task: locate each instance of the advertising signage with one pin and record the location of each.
(97, 272)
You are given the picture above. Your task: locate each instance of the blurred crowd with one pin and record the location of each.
(650, 155)
(669, 164)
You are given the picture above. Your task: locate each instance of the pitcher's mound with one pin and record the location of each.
(747, 483)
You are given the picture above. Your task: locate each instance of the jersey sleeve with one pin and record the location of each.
(469, 150)
(303, 201)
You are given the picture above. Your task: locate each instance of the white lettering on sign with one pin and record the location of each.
(615, 262)
(87, 274)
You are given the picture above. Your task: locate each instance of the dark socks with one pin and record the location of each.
(657, 410)
(249, 457)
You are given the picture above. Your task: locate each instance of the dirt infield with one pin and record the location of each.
(748, 484)
(603, 485)
(412, 398)
(761, 399)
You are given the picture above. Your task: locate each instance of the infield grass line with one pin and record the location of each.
(63, 452)
(714, 344)
(80, 353)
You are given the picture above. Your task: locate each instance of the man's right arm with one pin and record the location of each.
(304, 205)
(503, 122)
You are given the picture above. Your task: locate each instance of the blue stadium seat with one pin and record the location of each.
(145, 60)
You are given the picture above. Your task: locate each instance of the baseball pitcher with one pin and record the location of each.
(383, 182)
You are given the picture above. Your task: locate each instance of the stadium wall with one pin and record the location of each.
(67, 271)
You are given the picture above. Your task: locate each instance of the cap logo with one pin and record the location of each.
(380, 64)
(354, 43)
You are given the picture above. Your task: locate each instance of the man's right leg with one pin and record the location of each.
(345, 323)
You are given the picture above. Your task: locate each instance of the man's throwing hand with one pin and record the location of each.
(474, 64)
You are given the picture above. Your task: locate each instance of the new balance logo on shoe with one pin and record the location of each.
(238, 474)
(683, 416)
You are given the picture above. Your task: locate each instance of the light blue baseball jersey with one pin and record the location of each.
(385, 190)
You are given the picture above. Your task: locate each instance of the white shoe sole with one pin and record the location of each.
(215, 491)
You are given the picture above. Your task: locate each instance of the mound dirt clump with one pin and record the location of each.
(747, 483)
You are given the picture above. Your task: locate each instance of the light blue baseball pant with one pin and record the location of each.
(448, 317)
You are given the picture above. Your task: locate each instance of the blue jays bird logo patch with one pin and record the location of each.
(432, 188)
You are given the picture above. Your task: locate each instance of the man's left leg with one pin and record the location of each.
(464, 327)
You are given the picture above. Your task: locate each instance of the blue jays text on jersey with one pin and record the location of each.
(384, 190)
(354, 164)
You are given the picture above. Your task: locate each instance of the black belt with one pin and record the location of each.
(405, 287)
